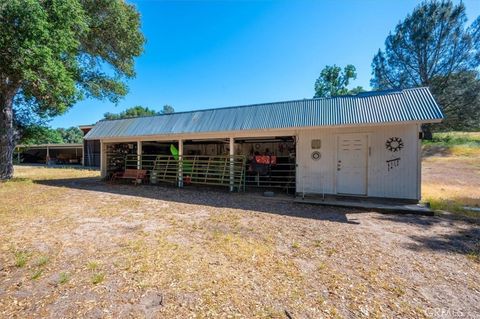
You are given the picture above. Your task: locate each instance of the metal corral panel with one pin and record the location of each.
(364, 108)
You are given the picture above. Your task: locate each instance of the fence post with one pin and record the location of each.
(139, 154)
(180, 163)
(232, 171)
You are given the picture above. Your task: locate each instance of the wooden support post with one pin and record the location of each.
(139, 154)
(103, 159)
(232, 171)
(18, 154)
(47, 158)
(180, 163)
(83, 152)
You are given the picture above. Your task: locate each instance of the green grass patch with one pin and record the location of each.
(98, 278)
(474, 255)
(445, 204)
(93, 265)
(37, 274)
(451, 206)
(467, 139)
(464, 144)
(452, 139)
(21, 258)
(42, 261)
(63, 278)
(24, 180)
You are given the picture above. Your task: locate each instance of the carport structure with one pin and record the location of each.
(63, 154)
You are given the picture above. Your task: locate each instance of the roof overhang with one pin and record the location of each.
(50, 146)
(247, 133)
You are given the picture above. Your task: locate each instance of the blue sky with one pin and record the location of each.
(206, 54)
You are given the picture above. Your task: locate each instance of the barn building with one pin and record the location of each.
(367, 144)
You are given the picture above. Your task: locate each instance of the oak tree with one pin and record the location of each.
(54, 53)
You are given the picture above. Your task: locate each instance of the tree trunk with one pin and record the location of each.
(7, 135)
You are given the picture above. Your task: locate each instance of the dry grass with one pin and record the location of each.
(82, 248)
(451, 182)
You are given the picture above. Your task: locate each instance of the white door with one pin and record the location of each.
(352, 159)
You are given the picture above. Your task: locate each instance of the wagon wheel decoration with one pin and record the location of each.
(394, 144)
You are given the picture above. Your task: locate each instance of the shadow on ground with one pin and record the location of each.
(208, 196)
(464, 239)
(436, 150)
(457, 235)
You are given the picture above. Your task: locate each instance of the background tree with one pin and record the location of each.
(40, 134)
(433, 47)
(167, 109)
(135, 111)
(333, 81)
(460, 101)
(37, 134)
(54, 53)
(71, 135)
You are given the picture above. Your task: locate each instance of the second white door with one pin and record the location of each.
(352, 162)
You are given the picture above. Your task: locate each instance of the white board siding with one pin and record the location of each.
(399, 182)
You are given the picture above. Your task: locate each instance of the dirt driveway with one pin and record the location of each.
(72, 246)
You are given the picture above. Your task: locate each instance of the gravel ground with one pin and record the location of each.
(72, 246)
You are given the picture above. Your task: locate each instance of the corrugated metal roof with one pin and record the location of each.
(366, 108)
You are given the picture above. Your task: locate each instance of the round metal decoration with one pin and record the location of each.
(316, 155)
(394, 144)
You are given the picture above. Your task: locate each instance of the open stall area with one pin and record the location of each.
(267, 162)
(50, 154)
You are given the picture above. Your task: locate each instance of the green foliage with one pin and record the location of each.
(459, 144)
(56, 52)
(135, 111)
(168, 109)
(40, 135)
(433, 47)
(432, 41)
(43, 38)
(460, 101)
(455, 139)
(71, 135)
(333, 81)
(37, 134)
